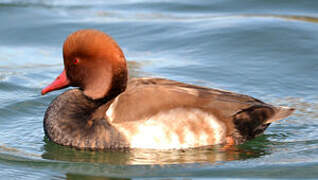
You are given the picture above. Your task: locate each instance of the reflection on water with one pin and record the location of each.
(211, 154)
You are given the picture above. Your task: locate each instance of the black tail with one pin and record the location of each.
(253, 121)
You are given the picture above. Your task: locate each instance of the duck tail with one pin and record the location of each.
(254, 121)
(281, 113)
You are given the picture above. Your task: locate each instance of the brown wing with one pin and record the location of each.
(147, 96)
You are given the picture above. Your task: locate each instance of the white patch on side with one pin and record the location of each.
(110, 110)
(174, 129)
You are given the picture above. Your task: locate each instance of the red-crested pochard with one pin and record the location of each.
(108, 111)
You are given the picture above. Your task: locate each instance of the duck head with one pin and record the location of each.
(93, 62)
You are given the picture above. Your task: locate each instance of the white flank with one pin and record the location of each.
(110, 110)
(174, 129)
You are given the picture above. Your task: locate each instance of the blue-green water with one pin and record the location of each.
(264, 48)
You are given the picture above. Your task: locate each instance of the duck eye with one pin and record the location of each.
(75, 61)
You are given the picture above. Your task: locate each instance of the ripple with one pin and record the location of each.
(285, 17)
(50, 4)
(160, 16)
(9, 152)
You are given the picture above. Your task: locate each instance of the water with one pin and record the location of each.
(265, 48)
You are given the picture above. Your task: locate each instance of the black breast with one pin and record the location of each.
(74, 120)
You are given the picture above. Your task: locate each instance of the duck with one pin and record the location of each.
(107, 110)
